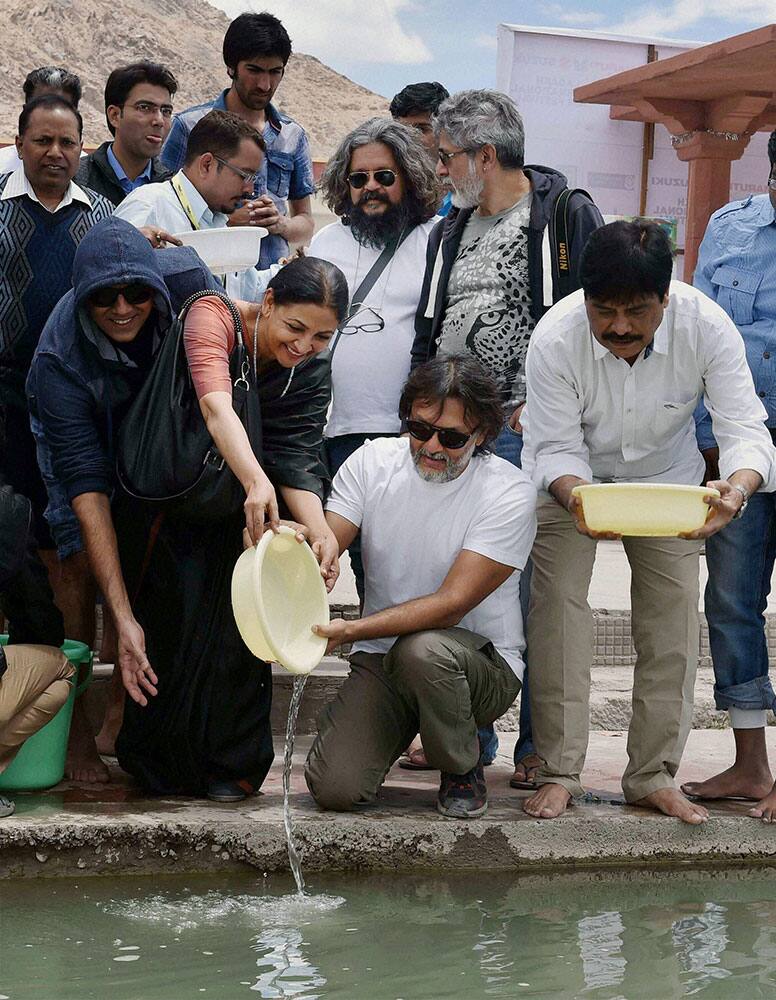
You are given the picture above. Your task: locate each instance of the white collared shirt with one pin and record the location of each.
(18, 185)
(158, 205)
(592, 415)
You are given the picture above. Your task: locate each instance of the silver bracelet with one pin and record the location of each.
(745, 494)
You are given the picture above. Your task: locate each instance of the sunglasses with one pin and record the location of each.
(447, 437)
(135, 294)
(385, 178)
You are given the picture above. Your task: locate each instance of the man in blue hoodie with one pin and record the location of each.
(93, 356)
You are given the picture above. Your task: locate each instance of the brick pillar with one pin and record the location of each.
(709, 157)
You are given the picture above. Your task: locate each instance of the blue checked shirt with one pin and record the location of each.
(737, 269)
(286, 171)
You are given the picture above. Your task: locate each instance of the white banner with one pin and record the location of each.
(540, 68)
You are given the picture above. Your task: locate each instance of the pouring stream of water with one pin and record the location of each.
(293, 711)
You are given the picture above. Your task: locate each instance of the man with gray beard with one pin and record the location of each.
(446, 531)
(382, 186)
(493, 269)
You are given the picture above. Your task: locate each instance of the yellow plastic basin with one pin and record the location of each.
(645, 509)
(277, 595)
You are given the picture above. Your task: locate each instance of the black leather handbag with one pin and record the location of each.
(165, 453)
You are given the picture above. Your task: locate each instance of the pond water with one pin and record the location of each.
(649, 935)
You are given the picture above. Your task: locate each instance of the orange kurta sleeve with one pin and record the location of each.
(208, 337)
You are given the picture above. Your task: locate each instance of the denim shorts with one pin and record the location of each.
(60, 517)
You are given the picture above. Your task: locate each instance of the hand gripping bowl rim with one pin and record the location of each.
(644, 488)
(258, 557)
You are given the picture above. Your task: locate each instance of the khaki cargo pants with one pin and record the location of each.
(442, 683)
(665, 624)
(32, 690)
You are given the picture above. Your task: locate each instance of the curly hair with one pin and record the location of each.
(422, 189)
(461, 377)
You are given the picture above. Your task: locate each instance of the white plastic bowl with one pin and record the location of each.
(644, 509)
(277, 596)
(228, 249)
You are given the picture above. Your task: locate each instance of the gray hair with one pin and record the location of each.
(422, 190)
(475, 118)
(55, 77)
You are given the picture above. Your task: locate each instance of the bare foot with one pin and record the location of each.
(736, 782)
(671, 802)
(105, 740)
(766, 808)
(548, 803)
(83, 763)
(111, 724)
(87, 767)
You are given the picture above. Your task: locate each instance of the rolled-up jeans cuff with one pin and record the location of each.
(747, 718)
(572, 785)
(750, 696)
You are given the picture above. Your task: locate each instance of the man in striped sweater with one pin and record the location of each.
(43, 218)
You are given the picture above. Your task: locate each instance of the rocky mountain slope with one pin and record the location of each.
(91, 37)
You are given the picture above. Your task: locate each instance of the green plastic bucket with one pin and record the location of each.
(41, 761)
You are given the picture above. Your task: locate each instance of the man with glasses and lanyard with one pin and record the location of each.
(381, 185)
(223, 156)
(446, 530)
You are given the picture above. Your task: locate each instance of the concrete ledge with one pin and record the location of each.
(383, 838)
(117, 829)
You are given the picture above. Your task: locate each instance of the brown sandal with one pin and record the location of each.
(415, 760)
(529, 770)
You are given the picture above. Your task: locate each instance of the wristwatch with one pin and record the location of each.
(745, 494)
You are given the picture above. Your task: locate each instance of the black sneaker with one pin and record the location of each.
(463, 796)
(228, 791)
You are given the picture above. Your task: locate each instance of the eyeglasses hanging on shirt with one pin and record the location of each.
(364, 320)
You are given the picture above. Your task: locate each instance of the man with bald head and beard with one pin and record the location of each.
(381, 185)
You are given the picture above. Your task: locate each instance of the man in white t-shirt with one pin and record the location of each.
(446, 529)
(382, 186)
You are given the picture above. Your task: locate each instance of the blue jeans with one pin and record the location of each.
(61, 519)
(509, 446)
(740, 559)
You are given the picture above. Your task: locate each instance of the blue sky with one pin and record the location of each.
(384, 44)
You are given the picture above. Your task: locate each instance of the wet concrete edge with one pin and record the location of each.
(203, 839)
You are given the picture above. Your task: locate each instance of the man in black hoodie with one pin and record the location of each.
(494, 267)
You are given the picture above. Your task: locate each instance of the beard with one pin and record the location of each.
(468, 192)
(375, 231)
(453, 467)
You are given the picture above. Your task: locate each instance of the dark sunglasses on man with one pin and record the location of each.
(446, 436)
(385, 178)
(134, 294)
